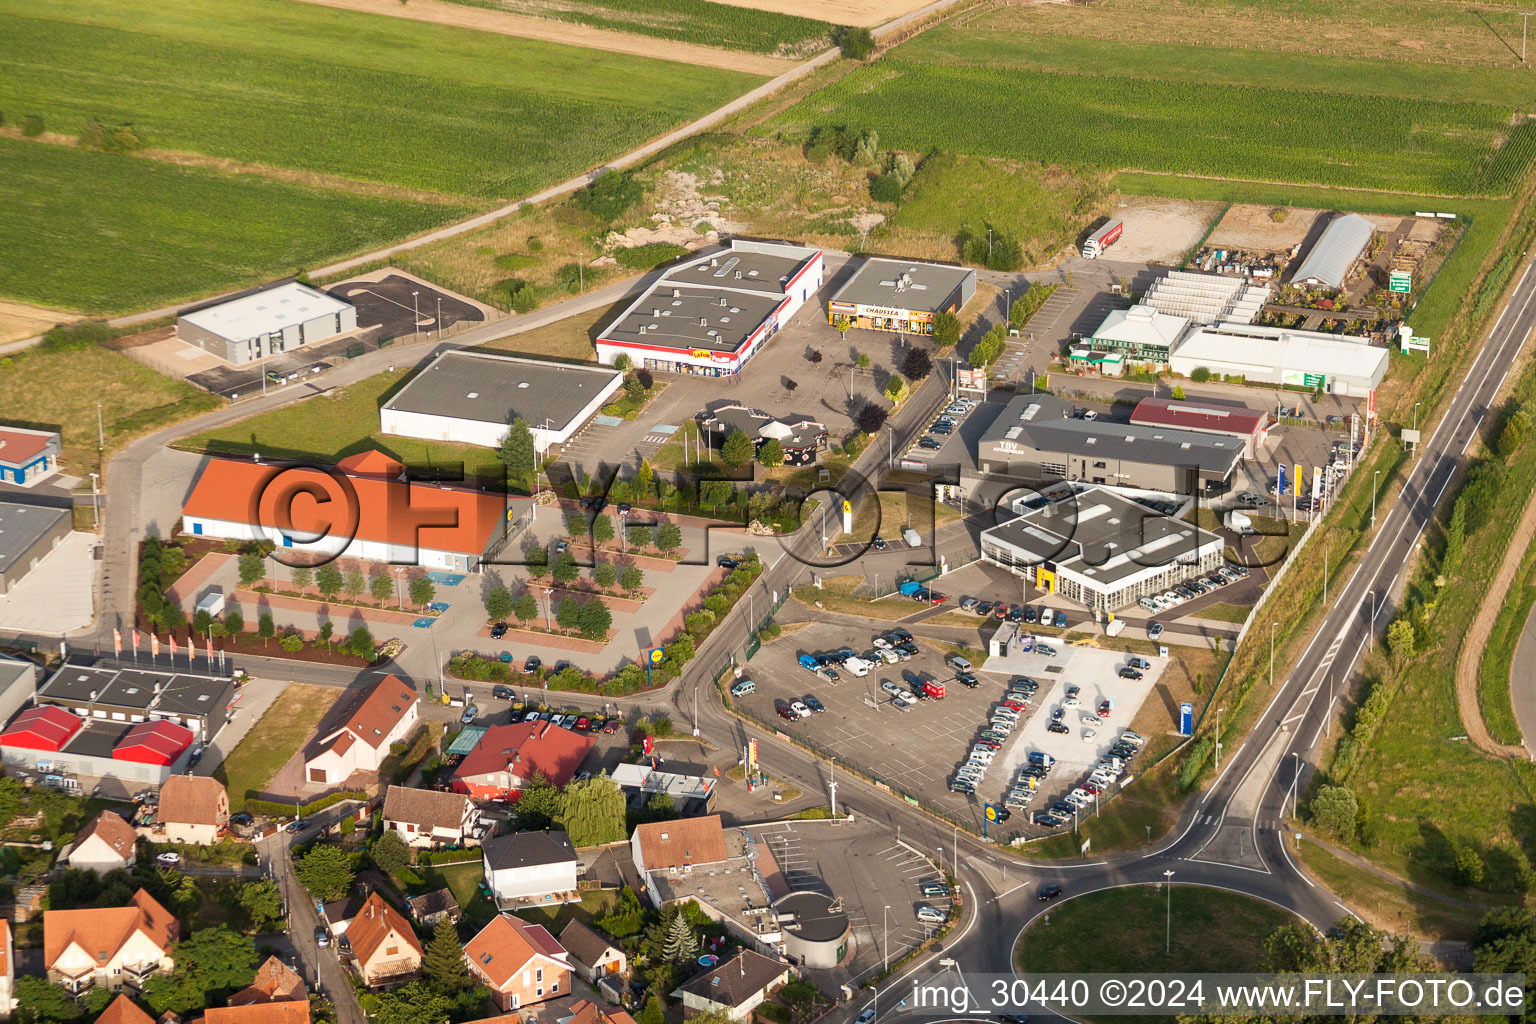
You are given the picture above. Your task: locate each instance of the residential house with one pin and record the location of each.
(275, 982)
(123, 1010)
(729, 874)
(106, 844)
(110, 946)
(508, 757)
(737, 986)
(592, 954)
(288, 1011)
(383, 944)
(521, 963)
(531, 868)
(430, 817)
(372, 719)
(435, 908)
(193, 808)
(7, 971)
(587, 1012)
(670, 846)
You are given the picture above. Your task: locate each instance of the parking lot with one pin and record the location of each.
(867, 867)
(916, 750)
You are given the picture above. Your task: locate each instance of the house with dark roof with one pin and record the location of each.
(592, 954)
(383, 946)
(275, 982)
(520, 963)
(801, 437)
(109, 946)
(531, 868)
(434, 908)
(369, 721)
(365, 507)
(430, 817)
(736, 987)
(105, 844)
(192, 809)
(508, 757)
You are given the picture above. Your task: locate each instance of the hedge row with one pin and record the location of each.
(278, 808)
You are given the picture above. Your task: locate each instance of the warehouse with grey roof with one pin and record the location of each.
(902, 296)
(1036, 439)
(1329, 262)
(471, 397)
(27, 533)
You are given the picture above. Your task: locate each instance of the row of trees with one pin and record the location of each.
(330, 580)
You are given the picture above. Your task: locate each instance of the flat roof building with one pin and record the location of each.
(27, 534)
(801, 437)
(471, 397)
(1206, 298)
(1331, 259)
(1100, 548)
(273, 320)
(902, 296)
(1277, 355)
(1251, 426)
(27, 455)
(711, 314)
(1035, 439)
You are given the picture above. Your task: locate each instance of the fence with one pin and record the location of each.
(755, 629)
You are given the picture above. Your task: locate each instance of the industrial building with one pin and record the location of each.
(278, 319)
(27, 455)
(816, 929)
(901, 296)
(471, 397)
(1278, 355)
(1330, 261)
(801, 437)
(27, 534)
(1250, 426)
(1102, 549)
(1149, 332)
(711, 314)
(1035, 439)
(199, 703)
(363, 508)
(1206, 298)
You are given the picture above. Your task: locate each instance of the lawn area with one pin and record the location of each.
(161, 232)
(894, 512)
(273, 740)
(333, 426)
(1499, 655)
(1223, 612)
(1123, 930)
(60, 390)
(837, 595)
(688, 21)
(364, 96)
(1385, 905)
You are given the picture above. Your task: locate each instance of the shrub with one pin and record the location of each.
(885, 189)
(1200, 375)
(80, 334)
(570, 277)
(518, 294)
(610, 195)
(855, 43)
(644, 257)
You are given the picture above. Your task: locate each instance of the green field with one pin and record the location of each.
(687, 21)
(363, 96)
(1128, 929)
(106, 234)
(1180, 127)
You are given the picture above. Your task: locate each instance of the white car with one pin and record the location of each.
(1135, 738)
(891, 688)
(1071, 702)
(169, 859)
(904, 700)
(1004, 711)
(1047, 616)
(881, 643)
(981, 755)
(1089, 735)
(1081, 792)
(1092, 720)
(1146, 603)
(800, 710)
(1075, 801)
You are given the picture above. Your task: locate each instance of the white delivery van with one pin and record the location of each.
(910, 536)
(858, 666)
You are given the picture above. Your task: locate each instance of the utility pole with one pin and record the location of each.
(1168, 942)
(416, 308)
(95, 508)
(1327, 549)
(101, 437)
(439, 316)
(885, 947)
(1272, 654)
(832, 785)
(695, 710)
(1218, 739)
(1374, 478)
(1295, 775)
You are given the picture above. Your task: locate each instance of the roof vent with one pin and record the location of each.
(522, 384)
(642, 328)
(473, 394)
(722, 300)
(677, 293)
(703, 321)
(655, 311)
(738, 275)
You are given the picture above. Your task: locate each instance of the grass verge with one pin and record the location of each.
(273, 740)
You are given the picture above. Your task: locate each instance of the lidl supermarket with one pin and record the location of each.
(710, 315)
(901, 296)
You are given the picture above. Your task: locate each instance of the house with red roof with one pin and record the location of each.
(365, 507)
(109, 946)
(508, 757)
(364, 724)
(520, 963)
(1251, 426)
(107, 843)
(27, 456)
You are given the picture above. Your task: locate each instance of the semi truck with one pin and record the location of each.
(1102, 239)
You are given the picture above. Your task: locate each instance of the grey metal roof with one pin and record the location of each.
(496, 389)
(1043, 422)
(20, 528)
(1099, 534)
(175, 693)
(903, 284)
(1342, 242)
(811, 916)
(14, 670)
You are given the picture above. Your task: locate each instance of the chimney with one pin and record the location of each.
(738, 275)
(655, 311)
(703, 321)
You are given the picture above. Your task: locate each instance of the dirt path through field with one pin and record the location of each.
(1476, 640)
(566, 32)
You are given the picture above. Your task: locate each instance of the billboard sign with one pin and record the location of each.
(751, 757)
(1186, 719)
(1400, 281)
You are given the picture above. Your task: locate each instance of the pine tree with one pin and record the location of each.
(444, 962)
(680, 945)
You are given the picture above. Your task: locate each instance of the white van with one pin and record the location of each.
(858, 666)
(910, 536)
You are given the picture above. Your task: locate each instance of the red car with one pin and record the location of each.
(1091, 787)
(1001, 611)
(1017, 703)
(988, 744)
(787, 713)
(612, 726)
(583, 724)
(934, 597)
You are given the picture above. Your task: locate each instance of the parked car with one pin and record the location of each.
(809, 663)
(800, 709)
(726, 562)
(242, 819)
(503, 693)
(532, 664)
(322, 936)
(1061, 620)
(1048, 892)
(1057, 727)
(470, 714)
(168, 859)
(743, 687)
(1154, 630)
(932, 888)
(1127, 672)
(786, 712)
(931, 915)
(930, 443)
(815, 705)
(298, 825)
(1030, 615)
(499, 630)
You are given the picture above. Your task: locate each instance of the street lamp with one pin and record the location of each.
(1168, 941)
(416, 308)
(399, 601)
(1218, 739)
(1272, 653)
(885, 946)
(1374, 477)
(1295, 777)
(1371, 625)
(95, 508)
(439, 316)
